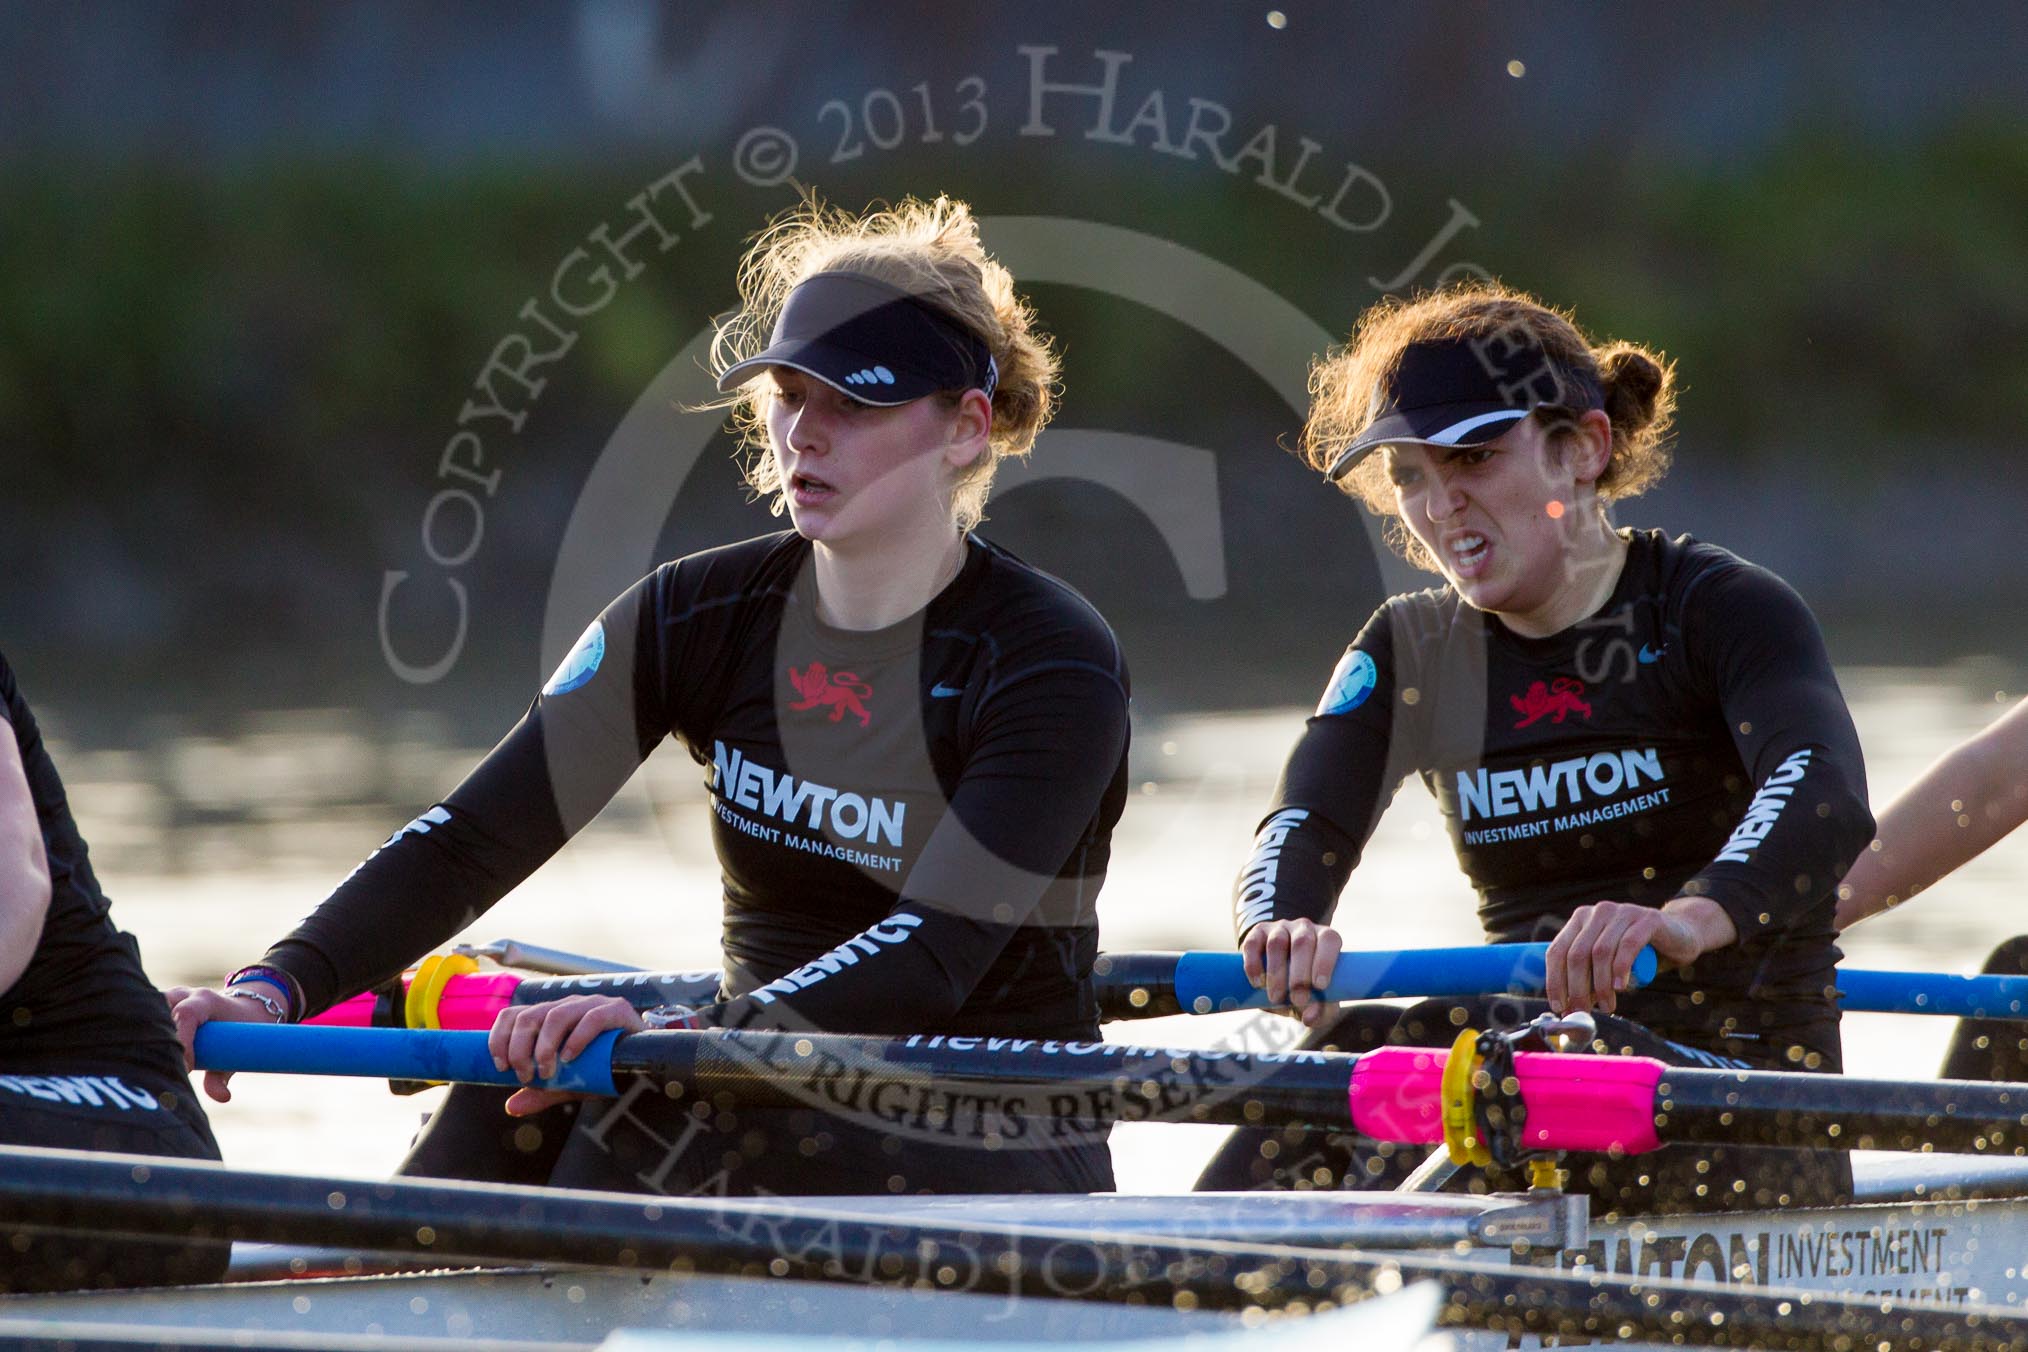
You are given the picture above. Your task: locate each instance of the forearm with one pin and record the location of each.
(1806, 824)
(890, 978)
(404, 901)
(24, 867)
(1808, 819)
(1299, 865)
(1705, 922)
(1340, 776)
(1959, 808)
(434, 876)
(24, 903)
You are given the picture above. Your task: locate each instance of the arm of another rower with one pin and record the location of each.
(1960, 807)
(24, 867)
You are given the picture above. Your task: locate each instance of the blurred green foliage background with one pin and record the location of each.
(225, 375)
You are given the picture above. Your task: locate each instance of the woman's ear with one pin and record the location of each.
(971, 430)
(1590, 445)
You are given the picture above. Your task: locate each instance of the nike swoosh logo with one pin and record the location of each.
(942, 691)
(1650, 656)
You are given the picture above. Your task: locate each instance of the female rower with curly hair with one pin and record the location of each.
(1635, 740)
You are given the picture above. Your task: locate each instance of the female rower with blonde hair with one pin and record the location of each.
(914, 746)
(1635, 741)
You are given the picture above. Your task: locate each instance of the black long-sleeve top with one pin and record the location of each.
(912, 823)
(1687, 739)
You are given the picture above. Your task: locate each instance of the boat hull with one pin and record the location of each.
(1916, 1242)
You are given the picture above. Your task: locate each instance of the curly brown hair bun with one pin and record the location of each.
(1640, 398)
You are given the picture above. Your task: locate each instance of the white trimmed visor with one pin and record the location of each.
(871, 340)
(1443, 425)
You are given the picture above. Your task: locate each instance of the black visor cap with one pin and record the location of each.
(870, 340)
(1465, 391)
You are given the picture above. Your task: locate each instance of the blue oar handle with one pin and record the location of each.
(388, 1054)
(1209, 982)
(1969, 997)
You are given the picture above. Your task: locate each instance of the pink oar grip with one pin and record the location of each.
(470, 1002)
(1575, 1102)
(354, 1013)
(473, 1001)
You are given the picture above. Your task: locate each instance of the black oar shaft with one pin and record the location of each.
(1000, 1090)
(1002, 1086)
(1073, 1085)
(642, 990)
(1136, 985)
(800, 1239)
(1836, 1112)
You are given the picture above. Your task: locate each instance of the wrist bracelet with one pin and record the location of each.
(276, 977)
(267, 1002)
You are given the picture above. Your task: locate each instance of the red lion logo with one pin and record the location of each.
(843, 693)
(1555, 700)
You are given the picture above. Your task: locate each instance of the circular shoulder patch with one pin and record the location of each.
(582, 662)
(1350, 684)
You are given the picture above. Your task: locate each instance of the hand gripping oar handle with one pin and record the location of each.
(455, 1057)
(1208, 983)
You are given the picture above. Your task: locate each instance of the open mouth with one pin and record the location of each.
(809, 486)
(1469, 553)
